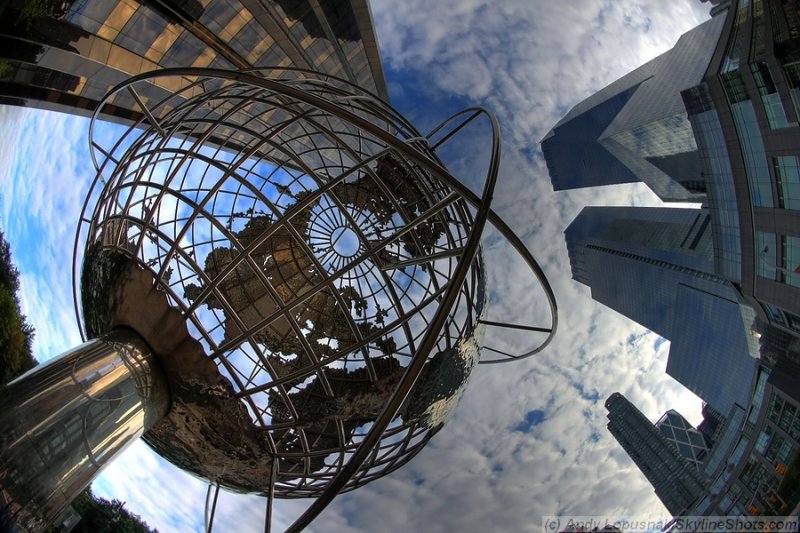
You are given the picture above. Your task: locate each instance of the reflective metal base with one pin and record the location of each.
(63, 421)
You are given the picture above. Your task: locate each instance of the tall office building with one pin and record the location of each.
(745, 118)
(68, 58)
(655, 266)
(713, 303)
(714, 120)
(689, 442)
(676, 479)
(712, 426)
(637, 129)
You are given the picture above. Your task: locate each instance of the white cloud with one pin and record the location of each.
(44, 182)
(529, 61)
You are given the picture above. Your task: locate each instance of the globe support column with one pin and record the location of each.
(63, 421)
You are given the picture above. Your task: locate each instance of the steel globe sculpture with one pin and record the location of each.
(296, 261)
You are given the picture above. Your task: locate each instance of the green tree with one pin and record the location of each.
(9, 275)
(31, 10)
(16, 335)
(100, 515)
(5, 68)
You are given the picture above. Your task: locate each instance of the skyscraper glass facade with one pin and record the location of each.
(754, 89)
(637, 128)
(640, 246)
(676, 479)
(743, 112)
(687, 440)
(711, 353)
(655, 266)
(68, 61)
(719, 184)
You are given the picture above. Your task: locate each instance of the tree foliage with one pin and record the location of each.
(16, 335)
(100, 515)
(31, 10)
(9, 275)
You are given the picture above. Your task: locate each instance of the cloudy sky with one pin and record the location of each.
(527, 440)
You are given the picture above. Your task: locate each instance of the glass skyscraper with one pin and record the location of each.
(655, 266)
(67, 59)
(689, 442)
(637, 128)
(677, 481)
(721, 282)
(713, 120)
(745, 118)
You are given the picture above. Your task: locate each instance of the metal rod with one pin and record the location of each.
(514, 326)
(273, 474)
(422, 259)
(156, 124)
(210, 516)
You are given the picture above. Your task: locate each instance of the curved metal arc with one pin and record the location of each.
(521, 249)
(501, 226)
(210, 507)
(429, 341)
(443, 174)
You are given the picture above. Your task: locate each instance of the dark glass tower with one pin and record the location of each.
(636, 129)
(716, 120)
(676, 480)
(655, 266)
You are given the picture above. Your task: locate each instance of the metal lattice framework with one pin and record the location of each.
(319, 251)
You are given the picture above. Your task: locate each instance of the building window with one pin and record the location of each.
(697, 100)
(750, 140)
(734, 87)
(767, 265)
(793, 321)
(787, 416)
(758, 396)
(770, 97)
(735, 49)
(790, 248)
(792, 71)
(775, 406)
(763, 440)
(767, 255)
(787, 174)
(775, 447)
(774, 314)
(794, 432)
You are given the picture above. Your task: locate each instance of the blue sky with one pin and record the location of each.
(527, 440)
